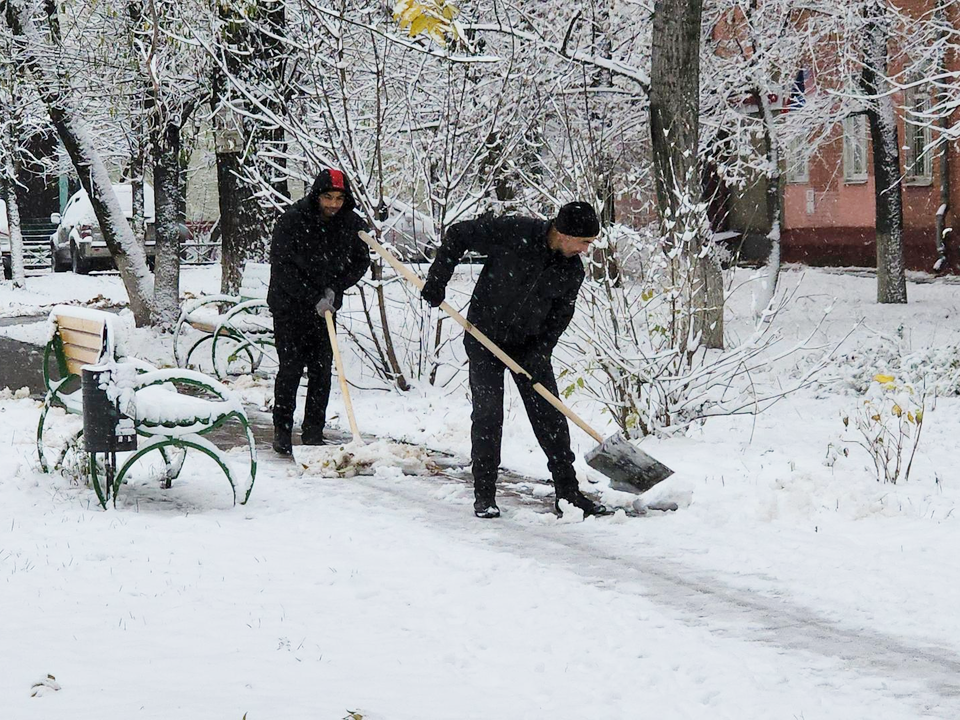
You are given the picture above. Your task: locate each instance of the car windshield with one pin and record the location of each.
(79, 210)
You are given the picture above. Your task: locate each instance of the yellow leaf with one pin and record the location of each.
(449, 11)
(875, 418)
(910, 416)
(919, 416)
(408, 16)
(423, 22)
(884, 379)
(896, 410)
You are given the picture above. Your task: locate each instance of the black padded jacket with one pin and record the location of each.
(526, 293)
(309, 253)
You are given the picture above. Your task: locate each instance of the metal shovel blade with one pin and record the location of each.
(628, 467)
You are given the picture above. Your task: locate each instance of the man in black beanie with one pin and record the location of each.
(523, 301)
(315, 255)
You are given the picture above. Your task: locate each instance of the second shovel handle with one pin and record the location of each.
(338, 361)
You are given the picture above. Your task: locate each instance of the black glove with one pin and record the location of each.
(531, 361)
(433, 292)
(326, 304)
(524, 381)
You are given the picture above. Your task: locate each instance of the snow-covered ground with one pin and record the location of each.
(790, 584)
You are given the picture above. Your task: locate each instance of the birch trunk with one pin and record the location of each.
(17, 274)
(129, 255)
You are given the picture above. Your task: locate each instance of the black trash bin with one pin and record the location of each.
(105, 429)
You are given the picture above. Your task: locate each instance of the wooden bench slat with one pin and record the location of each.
(207, 327)
(81, 338)
(76, 366)
(78, 356)
(80, 323)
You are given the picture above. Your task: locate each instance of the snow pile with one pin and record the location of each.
(254, 390)
(6, 393)
(354, 458)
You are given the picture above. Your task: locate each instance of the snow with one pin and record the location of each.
(787, 585)
(387, 459)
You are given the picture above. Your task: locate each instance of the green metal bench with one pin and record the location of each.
(167, 419)
(238, 329)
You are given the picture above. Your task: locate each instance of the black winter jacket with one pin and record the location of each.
(309, 254)
(525, 295)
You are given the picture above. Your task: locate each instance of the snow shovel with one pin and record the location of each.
(629, 468)
(332, 331)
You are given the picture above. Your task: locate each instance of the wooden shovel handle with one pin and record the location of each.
(483, 339)
(332, 331)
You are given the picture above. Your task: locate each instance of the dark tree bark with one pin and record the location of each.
(674, 133)
(881, 114)
(244, 225)
(944, 124)
(604, 264)
(166, 190)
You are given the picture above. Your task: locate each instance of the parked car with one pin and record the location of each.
(411, 234)
(408, 232)
(78, 243)
(5, 241)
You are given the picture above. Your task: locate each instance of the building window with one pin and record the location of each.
(918, 159)
(855, 149)
(798, 161)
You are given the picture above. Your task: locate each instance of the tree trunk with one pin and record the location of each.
(944, 124)
(166, 191)
(243, 236)
(891, 270)
(674, 132)
(243, 227)
(7, 180)
(604, 265)
(772, 146)
(129, 255)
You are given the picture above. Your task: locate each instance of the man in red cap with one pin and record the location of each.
(523, 301)
(315, 255)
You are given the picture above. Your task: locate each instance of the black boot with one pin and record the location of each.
(282, 441)
(569, 490)
(485, 500)
(312, 436)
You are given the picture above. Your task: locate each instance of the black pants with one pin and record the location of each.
(302, 342)
(549, 424)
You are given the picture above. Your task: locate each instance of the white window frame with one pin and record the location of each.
(855, 168)
(798, 161)
(917, 156)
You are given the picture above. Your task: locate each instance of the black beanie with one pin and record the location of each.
(577, 219)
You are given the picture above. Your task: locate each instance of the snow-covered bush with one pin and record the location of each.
(640, 358)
